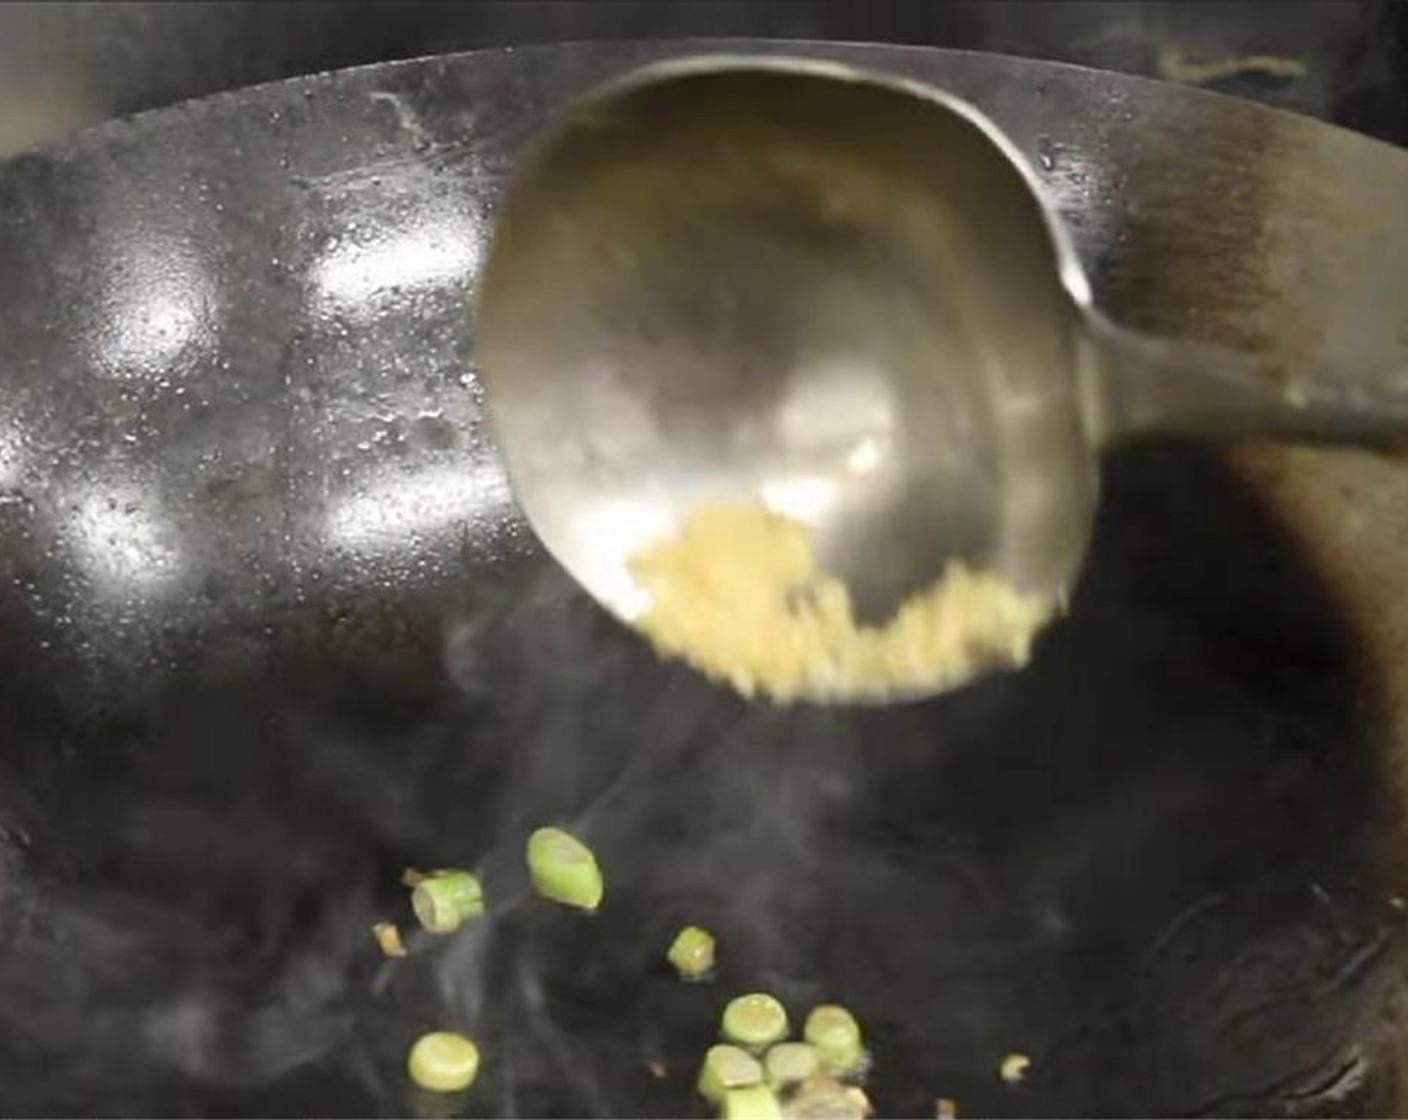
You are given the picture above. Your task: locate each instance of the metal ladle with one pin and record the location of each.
(841, 294)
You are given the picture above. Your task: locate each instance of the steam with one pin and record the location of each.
(104, 981)
(701, 808)
(255, 857)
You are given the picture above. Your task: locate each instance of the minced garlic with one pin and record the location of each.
(388, 939)
(739, 594)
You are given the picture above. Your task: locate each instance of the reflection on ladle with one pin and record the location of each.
(695, 245)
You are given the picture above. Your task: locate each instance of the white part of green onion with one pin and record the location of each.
(692, 952)
(835, 1034)
(725, 1068)
(564, 869)
(788, 1063)
(443, 1062)
(824, 1098)
(445, 900)
(755, 1021)
(757, 1102)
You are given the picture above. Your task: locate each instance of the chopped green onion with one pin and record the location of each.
(756, 1021)
(564, 870)
(757, 1102)
(824, 1098)
(836, 1035)
(789, 1062)
(444, 900)
(443, 1062)
(692, 952)
(726, 1068)
(1014, 1068)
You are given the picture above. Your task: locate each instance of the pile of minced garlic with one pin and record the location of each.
(739, 594)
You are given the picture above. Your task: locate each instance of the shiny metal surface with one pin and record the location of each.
(794, 285)
(64, 67)
(273, 630)
(843, 297)
(215, 469)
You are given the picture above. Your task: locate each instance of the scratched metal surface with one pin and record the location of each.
(273, 630)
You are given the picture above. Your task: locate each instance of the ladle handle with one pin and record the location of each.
(1144, 385)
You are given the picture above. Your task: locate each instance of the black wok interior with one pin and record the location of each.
(1160, 861)
(1151, 861)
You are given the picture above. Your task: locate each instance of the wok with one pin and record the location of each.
(272, 631)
